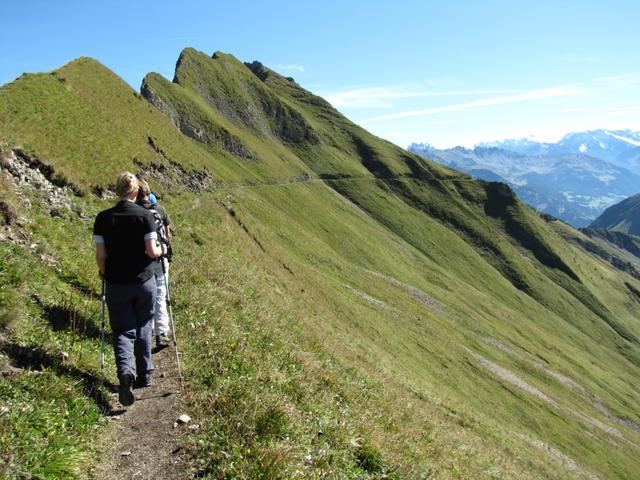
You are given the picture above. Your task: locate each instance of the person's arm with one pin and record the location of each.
(166, 220)
(152, 245)
(101, 256)
(153, 248)
(98, 239)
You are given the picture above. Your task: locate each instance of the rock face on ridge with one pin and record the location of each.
(192, 124)
(224, 94)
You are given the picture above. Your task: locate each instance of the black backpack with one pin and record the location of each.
(161, 229)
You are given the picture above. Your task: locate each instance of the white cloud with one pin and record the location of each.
(588, 104)
(368, 97)
(626, 113)
(293, 67)
(561, 91)
(383, 97)
(620, 81)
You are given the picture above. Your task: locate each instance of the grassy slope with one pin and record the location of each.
(328, 266)
(619, 249)
(53, 423)
(623, 216)
(86, 98)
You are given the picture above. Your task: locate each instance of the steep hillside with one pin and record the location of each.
(623, 217)
(619, 249)
(346, 309)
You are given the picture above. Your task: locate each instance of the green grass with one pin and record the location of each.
(51, 420)
(326, 324)
(418, 350)
(80, 91)
(46, 427)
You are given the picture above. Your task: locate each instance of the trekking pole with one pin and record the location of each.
(173, 326)
(104, 302)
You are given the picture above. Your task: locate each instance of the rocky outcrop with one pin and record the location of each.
(198, 127)
(286, 123)
(25, 174)
(24, 169)
(231, 89)
(171, 174)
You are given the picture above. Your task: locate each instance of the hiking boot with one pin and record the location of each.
(125, 391)
(162, 341)
(143, 381)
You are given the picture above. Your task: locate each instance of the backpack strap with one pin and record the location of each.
(161, 229)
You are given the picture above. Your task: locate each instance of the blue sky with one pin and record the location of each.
(447, 73)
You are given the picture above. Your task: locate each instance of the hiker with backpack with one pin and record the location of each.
(126, 248)
(162, 221)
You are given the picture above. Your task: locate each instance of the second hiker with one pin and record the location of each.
(162, 220)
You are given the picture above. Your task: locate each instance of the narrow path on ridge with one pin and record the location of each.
(283, 182)
(146, 444)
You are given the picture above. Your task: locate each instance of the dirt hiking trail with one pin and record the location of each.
(146, 443)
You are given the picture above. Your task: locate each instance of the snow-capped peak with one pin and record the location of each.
(633, 142)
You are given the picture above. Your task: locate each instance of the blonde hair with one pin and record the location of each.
(126, 184)
(143, 188)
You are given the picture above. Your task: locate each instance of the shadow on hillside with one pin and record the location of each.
(79, 286)
(502, 203)
(37, 359)
(66, 317)
(633, 290)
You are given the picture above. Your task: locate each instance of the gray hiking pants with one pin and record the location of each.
(131, 309)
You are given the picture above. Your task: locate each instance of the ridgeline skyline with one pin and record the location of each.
(454, 74)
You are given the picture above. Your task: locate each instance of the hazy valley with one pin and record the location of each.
(575, 179)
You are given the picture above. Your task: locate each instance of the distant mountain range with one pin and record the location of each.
(574, 179)
(620, 147)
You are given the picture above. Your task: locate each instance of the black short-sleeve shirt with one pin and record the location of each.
(124, 229)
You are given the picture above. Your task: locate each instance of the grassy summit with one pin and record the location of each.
(348, 309)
